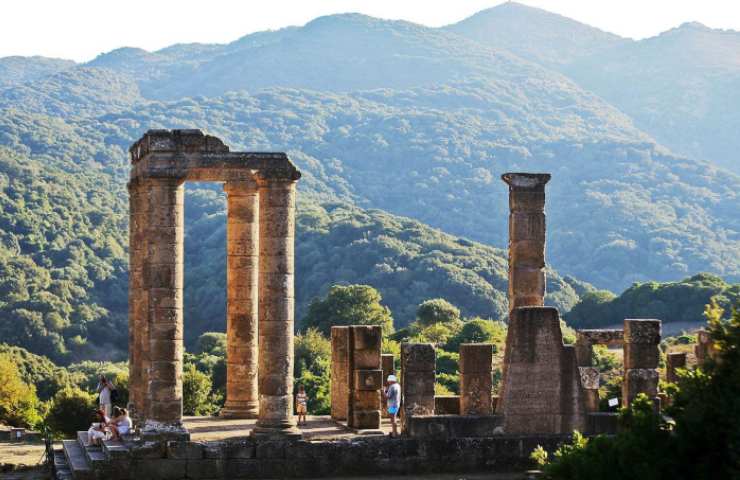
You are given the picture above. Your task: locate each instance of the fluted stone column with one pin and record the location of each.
(526, 238)
(164, 274)
(242, 247)
(276, 307)
(138, 300)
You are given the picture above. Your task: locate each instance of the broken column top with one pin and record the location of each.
(642, 331)
(526, 181)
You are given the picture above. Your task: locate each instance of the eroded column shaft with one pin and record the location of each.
(164, 277)
(242, 275)
(276, 305)
(526, 238)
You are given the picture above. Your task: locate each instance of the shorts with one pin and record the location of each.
(300, 409)
(393, 410)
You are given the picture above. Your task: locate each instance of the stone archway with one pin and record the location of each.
(260, 190)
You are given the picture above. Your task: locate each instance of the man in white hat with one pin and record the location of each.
(393, 394)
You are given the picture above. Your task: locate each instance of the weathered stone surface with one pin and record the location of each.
(447, 405)
(368, 380)
(641, 355)
(339, 372)
(475, 394)
(642, 331)
(602, 423)
(184, 450)
(476, 357)
(639, 380)
(586, 339)
(452, 426)
(365, 377)
(417, 378)
(674, 362)
(541, 384)
(387, 364)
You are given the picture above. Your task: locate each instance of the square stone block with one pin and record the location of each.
(185, 450)
(447, 405)
(475, 394)
(418, 384)
(368, 379)
(365, 419)
(417, 357)
(365, 359)
(641, 355)
(639, 380)
(645, 331)
(366, 337)
(365, 399)
(527, 281)
(476, 358)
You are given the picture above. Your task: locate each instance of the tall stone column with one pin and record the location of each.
(137, 300)
(365, 377)
(242, 275)
(526, 238)
(339, 372)
(164, 273)
(276, 307)
(418, 364)
(641, 357)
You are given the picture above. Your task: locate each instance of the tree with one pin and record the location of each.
(312, 369)
(18, 401)
(437, 310)
(196, 392)
(71, 410)
(213, 343)
(349, 305)
(478, 330)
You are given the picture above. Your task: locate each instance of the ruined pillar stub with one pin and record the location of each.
(276, 307)
(164, 281)
(641, 356)
(339, 372)
(242, 276)
(526, 238)
(476, 361)
(674, 362)
(366, 377)
(418, 365)
(387, 365)
(540, 390)
(704, 348)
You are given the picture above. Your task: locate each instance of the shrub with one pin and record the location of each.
(71, 410)
(196, 392)
(437, 310)
(18, 401)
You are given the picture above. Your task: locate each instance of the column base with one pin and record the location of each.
(276, 433)
(240, 410)
(158, 431)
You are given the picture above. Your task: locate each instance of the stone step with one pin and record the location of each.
(60, 466)
(115, 449)
(93, 453)
(77, 461)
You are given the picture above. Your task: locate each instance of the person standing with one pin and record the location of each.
(393, 394)
(104, 395)
(301, 404)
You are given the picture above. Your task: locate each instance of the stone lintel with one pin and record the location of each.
(609, 337)
(526, 181)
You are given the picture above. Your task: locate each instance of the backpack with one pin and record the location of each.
(113, 396)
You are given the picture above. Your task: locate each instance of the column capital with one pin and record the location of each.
(241, 187)
(526, 181)
(277, 176)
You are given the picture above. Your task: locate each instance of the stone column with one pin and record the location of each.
(476, 360)
(137, 300)
(386, 363)
(365, 377)
(526, 238)
(164, 273)
(339, 372)
(674, 361)
(242, 276)
(276, 307)
(704, 348)
(418, 366)
(641, 355)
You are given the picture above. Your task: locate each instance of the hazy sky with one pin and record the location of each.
(81, 29)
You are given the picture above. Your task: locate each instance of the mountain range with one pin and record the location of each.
(401, 132)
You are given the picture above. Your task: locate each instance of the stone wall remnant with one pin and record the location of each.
(641, 356)
(418, 364)
(674, 362)
(365, 377)
(476, 361)
(339, 372)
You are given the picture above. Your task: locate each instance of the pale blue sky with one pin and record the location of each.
(81, 29)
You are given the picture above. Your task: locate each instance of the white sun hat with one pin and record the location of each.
(392, 378)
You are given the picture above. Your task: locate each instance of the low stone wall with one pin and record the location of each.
(303, 459)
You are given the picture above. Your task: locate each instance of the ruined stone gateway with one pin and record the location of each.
(260, 190)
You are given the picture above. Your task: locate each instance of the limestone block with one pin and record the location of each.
(639, 380)
(184, 450)
(476, 358)
(235, 449)
(447, 405)
(527, 281)
(475, 393)
(339, 372)
(366, 337)
(674, 361)
(366, 359)
(642, 331)
(418, 383)
(366, 399)
(417, 357)
(365, 419)
(368, 379)
(641, 355)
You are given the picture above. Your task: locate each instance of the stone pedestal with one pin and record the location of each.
(164, 280)
(242, 277)
(641, 356)
(540, 390)
(365, 377)
(339, 372)
(387, 364)
(276, 307)
(590, 387)
(526, 238)
(418, 366)
(674, 361)
(476, 360)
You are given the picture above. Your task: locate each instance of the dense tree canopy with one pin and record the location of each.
(348, 305)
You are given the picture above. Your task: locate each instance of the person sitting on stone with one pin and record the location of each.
(393, 394)
(301, 404)
(120, 424)
(98, 430)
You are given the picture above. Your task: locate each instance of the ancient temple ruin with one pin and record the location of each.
(260, 190)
